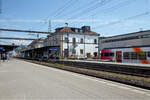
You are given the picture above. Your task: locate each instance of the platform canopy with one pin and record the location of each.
(7, 48)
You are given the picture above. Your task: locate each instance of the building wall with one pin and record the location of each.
(87, 46)
(141, 39)
(36, 44)
(52, 40)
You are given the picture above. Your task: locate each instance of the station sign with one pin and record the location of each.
(53, 49)
(1, 48)
(66, 50)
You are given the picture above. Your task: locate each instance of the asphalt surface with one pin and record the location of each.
(20, 80)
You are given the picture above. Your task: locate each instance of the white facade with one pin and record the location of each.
(82, 48)
(85, 44)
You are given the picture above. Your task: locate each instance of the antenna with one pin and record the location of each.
(38, 35)
(66, 24)
(50, 26)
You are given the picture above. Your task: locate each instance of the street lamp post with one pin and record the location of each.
(99, 47)
(67, 45)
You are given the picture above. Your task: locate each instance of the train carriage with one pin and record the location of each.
(127, 55)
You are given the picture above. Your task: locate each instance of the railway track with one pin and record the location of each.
(134, 71)
(126, 70)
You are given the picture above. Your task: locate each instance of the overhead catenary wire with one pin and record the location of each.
(75, 10)
(91, 8)
(103, 2)
(97, 4)
(67, 7)
(60, 9)
(84, 10)
(115, 7)
(125, 19)
(80, 12)
(79, 8)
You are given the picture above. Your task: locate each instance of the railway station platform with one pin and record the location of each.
(20, 80)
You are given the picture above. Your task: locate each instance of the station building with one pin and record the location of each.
(69, 42)
(65, 42)
(33, 50)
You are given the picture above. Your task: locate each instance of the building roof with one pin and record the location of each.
(91, 32)
(76, 30)
(66, 29)
(134, 33)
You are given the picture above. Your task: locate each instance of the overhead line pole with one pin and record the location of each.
(49, 26)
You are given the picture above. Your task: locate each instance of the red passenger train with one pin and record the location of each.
(127, 55)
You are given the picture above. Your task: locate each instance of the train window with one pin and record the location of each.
(111, 54)
(106, 54)
(134, 55)
(142, 55)
(126, 55)
(148, 54)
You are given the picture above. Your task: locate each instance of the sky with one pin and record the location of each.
(106, 17)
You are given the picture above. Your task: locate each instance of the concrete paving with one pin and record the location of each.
(20, 80)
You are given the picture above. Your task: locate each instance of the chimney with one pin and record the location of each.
(86, 29)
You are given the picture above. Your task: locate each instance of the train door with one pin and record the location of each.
(119, 56)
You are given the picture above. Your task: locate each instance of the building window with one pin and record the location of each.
(56, 41)
(73, 40)
(66, 39)
(95, 54)
(134, 55)
(145, 36)
(126, 55)
(81, 51)
(95, 41)
(142, 55)
(81, 40)
(76, 30)
(148, 54)
(106, 54)
(74, 51)
(111, 54)
(88, 55)
(79, 30)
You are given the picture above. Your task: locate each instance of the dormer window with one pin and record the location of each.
(76, 30)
